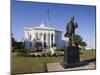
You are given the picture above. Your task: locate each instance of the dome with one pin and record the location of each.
(44, 27)
(42, 24)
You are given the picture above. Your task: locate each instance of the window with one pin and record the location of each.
(52, 37)
(36, 36)
(30, 37)
(51, 40)
(30, 44)
(44, 37)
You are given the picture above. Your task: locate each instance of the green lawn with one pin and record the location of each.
(31, 64)
(36, 64)
(87, 54)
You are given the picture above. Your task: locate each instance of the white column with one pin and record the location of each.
(47, 39)
(53, 38)
(42, 40)
(50, 39)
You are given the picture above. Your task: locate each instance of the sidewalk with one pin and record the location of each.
(57, 67)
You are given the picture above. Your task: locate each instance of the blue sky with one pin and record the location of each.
(30, 14)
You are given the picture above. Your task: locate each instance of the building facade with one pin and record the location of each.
(49, 37)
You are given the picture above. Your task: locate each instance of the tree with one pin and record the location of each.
(13, 42)
(79, 40)
(16, 46)
(20, 45)
(83, 44)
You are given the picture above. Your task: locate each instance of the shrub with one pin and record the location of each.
(45, 54)
(33, 55)
(54, 54)
(57, 54)
(31, 50)
(16, 50)
(27, 55)
(59, 49)
(49, 54)
(61, 54)
(39, 55)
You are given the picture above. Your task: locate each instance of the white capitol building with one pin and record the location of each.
(48, 36)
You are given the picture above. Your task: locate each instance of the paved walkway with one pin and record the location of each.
(57, 67)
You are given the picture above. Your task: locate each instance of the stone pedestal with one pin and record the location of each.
(71, 56)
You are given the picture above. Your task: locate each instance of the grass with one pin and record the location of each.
(87, 54)
(36, 64)
(31, 64)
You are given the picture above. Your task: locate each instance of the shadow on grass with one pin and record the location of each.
(80, 64)
(89, 60)
(86, 62)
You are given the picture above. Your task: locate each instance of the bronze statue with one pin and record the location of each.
(70, 30)
(71, 52)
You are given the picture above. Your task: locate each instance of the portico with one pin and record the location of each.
(48, 36)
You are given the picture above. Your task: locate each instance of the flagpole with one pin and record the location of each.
(47, 16)
(47, 12)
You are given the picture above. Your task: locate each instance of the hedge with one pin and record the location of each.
(59, 49)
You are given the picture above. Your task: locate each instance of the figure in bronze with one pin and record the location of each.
(71, 51)
(70, 30)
